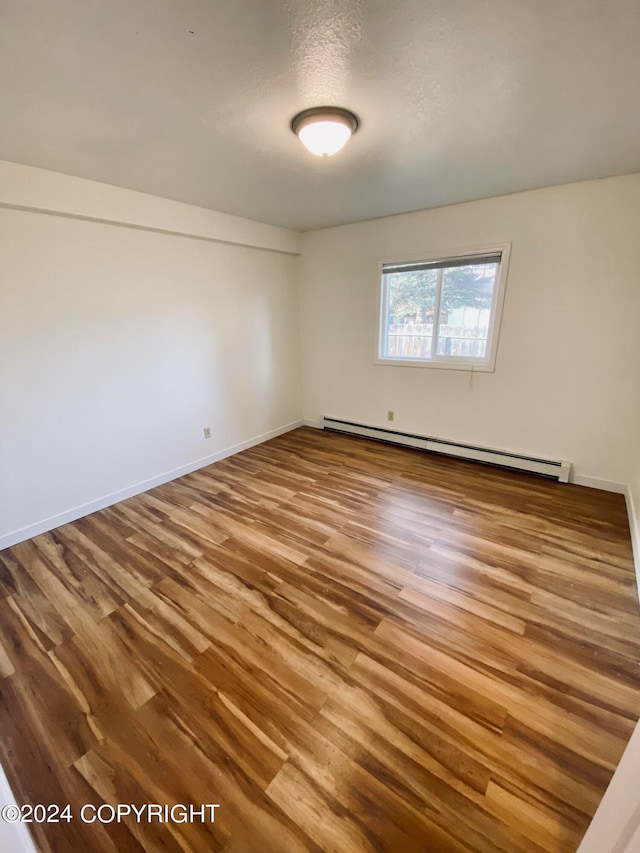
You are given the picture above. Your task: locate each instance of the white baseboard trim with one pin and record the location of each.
(14, 837)
(314, 424)
(46, 524)
(598, 483)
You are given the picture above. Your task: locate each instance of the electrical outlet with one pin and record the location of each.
(390, 415)
(207, 432)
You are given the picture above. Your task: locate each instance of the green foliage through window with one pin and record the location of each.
(412, 295)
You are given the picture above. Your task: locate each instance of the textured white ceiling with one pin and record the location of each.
(192, 99)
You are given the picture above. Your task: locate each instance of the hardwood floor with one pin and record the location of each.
(348, 646)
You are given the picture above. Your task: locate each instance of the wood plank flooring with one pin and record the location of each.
(348, 646)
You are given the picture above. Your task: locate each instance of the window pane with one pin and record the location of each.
(465, 309)
(410, 312)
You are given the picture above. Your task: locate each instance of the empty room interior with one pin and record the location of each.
(320, 426)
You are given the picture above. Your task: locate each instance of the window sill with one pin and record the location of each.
(438, 365)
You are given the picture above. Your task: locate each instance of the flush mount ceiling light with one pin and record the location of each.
(324, 130)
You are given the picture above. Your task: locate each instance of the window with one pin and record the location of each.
(443, 312)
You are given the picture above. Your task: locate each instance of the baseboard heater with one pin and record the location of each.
(502, 458)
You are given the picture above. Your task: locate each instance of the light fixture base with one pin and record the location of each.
(317, 113)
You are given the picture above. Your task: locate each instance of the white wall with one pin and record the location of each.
(566, 378)
(39, 189)
(118, 345)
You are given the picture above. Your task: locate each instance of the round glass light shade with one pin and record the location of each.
(324, 130)
(324, 138)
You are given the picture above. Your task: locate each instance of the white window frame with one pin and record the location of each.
(485, 365)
